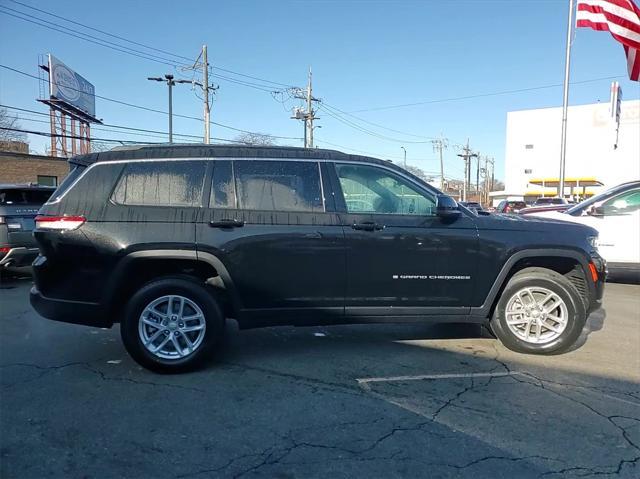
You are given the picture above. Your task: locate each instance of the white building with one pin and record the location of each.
(533, 149)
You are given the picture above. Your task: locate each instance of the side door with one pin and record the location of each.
(618, 223)
(401, 258)
(278, 236)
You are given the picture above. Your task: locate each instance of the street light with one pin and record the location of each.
(170, 83)
(405, 156)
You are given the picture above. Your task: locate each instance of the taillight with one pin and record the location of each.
(5, 249)
(59, 223)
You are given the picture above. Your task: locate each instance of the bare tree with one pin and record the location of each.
(98, 146)
(256, 139)
(8, 126)
(414, 170)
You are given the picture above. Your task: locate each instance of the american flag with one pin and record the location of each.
(619, 17)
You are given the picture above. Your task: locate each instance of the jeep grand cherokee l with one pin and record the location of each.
(169, 241)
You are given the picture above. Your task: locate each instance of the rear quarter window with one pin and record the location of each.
(161, 183)
(67, 182)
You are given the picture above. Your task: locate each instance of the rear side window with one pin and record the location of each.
(161, 183)
(278, 185)
(223, 190)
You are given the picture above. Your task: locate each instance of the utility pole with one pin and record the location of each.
(170, 83)
(467, 168)
(307, 115)
(205, 90)
(439, 145)
(478, 174)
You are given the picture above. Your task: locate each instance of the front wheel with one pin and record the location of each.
(540, 312)
(172, 325)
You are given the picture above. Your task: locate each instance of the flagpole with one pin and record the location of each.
(565, 102)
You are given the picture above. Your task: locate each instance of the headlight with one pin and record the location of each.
(593, 241)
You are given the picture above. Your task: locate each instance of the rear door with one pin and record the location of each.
(278, 236)
(401, 258)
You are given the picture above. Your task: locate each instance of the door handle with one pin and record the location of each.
(229, 223)
(367, 226)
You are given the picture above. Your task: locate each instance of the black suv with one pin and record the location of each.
(19, 204)
(169, 241)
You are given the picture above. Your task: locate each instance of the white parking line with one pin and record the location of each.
(364, 382)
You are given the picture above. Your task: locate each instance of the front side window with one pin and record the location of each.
(622, 204)
(369, 189)
(161, 183)
(278, 185)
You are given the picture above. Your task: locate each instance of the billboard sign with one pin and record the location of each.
(68, 87)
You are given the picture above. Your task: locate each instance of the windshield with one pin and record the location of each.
(580, 207)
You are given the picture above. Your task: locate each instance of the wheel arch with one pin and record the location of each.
(572, 261)
(139, 267)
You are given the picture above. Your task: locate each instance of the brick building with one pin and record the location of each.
(19, 167)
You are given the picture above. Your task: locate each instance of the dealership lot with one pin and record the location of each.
(352, 401)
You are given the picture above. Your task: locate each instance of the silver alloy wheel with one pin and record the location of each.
(172, 327)
(536, 315)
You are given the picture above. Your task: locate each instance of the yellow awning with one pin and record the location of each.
(568, 182)
(551, 194)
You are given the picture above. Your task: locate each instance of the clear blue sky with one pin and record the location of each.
(364, 54)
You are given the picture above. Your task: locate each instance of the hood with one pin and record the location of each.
(543, 222)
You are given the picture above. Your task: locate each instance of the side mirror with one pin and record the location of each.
(596, 211)
(447, 208)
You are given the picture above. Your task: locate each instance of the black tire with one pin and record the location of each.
(196, 292)
(558, 284)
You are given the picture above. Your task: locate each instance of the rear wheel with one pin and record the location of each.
(172, 325)
(540, 312)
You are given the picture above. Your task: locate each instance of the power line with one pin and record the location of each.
(154, 57)
(91, 39)
(377, 124)
(55, 135)
(100, 31)
(153, 110)
(330, 111)
(121, 127)
(481, 95)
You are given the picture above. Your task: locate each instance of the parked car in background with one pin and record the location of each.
(19, 205)
(615, 213)
(472, 205)
(538, 209)
(510, 206)
(171, 240)
(550, 201)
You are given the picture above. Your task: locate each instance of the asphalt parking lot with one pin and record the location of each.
(357, 401)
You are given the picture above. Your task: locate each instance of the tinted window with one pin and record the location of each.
(223, 192)
(169, 183)
(68, 180)
(368, 189)
(278, 185)
(23, 197)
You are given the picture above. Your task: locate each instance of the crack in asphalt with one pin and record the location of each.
(317, 384)
(599, 470)
(87, 367)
